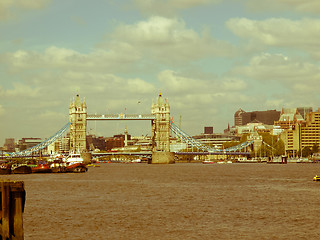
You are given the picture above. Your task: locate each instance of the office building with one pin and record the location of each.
(266, 117)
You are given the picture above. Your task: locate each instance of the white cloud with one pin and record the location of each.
(174, 82)
(233, 84)
(20, 90)
(12, 8)
(277, 67)
(2, 110)
(168, 7)
(169, 41)
(279, 32)
(62, 58)
(305, 6)
(137, 47)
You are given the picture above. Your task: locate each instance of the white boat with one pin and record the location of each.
(74, 158)
(136, 160)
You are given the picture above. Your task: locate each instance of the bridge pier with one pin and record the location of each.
(160, 132)
(162, 158)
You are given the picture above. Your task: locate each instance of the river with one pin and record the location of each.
(177, 201)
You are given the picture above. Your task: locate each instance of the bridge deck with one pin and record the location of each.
(121, 116)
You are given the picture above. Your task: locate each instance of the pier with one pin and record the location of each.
(12, 198)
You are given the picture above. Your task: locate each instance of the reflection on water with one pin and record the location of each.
(179, 201)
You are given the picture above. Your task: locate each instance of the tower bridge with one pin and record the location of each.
(160, 126)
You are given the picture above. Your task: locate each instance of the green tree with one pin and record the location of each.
(306, 151)
(315, 148)
(279, 148)
(244, 138)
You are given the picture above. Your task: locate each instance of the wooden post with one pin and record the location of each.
(12, 207)
(5, 210)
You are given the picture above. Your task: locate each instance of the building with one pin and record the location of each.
(304, 111)
(78, 119)
(238, 117)
(26, 143)
(253, 127)
(114, 142)
(216, 139)
(288, 118)
(94, 143)
(9, 145)
(265, 117)
(60, 146)
(208, 130)
(301, 134)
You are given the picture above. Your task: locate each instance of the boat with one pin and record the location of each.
(21, 169)
(74, 158)
(136, 160)
(316, 178)
(207, 162)
(77, 168)
(58, 164)
(5, 169)
(42, 168)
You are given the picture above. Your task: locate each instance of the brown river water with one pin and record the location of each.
(177, 201)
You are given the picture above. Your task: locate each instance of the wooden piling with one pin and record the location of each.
(12, 206)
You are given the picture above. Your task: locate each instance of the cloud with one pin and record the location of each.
(279, 32)
(168, 40)
(11, 8)
(277, 67)
(306, 6)
(233, 84)
(196, 94)
(2, 110)
(20, 90)
(168, 7)
(176, 83)
(62, 58)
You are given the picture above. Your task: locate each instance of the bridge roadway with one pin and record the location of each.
(121, 116)
(149, 153)
(143, 154)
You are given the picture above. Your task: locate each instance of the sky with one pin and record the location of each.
(207, 57)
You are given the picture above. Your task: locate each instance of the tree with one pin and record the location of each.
(306, 151)
(272, 145)
(315, 148)
(279, 148)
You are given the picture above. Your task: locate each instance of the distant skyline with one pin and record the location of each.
(207, 57)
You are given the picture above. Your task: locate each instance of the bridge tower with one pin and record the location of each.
(160, 132)
(78, 127)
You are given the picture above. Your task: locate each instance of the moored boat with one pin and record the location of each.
(74, 158)
(22, 169)
(5, 169)
(58, 166)
(207, 162)
(77, 168)
(41, 168)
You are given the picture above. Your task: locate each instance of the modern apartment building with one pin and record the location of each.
(302, 134)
